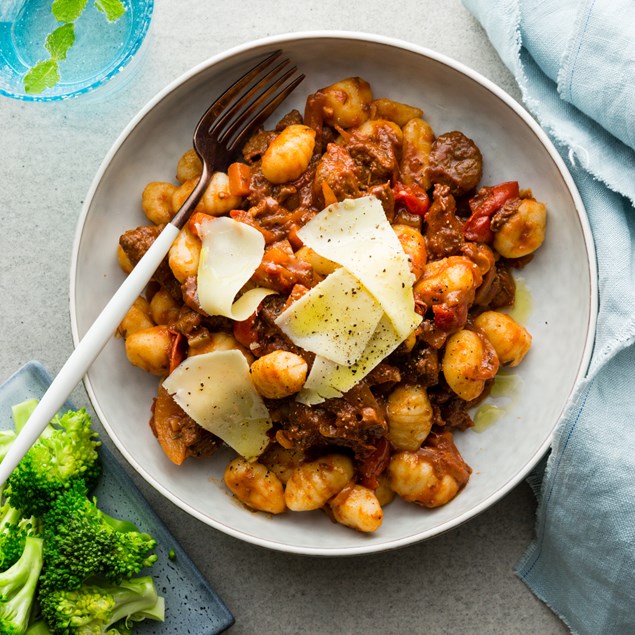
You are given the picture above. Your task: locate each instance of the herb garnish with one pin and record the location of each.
(46, 74)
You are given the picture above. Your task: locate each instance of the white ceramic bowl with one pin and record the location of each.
(561, 281)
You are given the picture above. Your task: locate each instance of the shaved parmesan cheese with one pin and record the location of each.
(328, 379)
(216, 390)
(230, 254)
(335, 319)
(356, 234)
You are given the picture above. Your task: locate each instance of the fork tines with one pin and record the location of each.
(255, 97)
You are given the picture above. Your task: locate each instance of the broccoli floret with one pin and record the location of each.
(14, 530)
(18, 585)
(65, 453)
(81, 541)
(96, 607)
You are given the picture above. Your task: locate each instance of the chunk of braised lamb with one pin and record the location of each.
(444, 231)
(292, 118)
(377, 158)
(260, 189)
(189, 290)
(449, 410)
(421, 366)
(299, 194)
(354, 421)
(341, 174)
(265, 336)
(384, 193)
(257, 144)
(188, 321)
(498, 288)
(455, 161)
(177, 432)
(135, 242)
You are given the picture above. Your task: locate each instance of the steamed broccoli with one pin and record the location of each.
(81, 541)
(18, 586)
(38, 628)
(65, 454)
(14, 530)
(101, 608)
(7, 437)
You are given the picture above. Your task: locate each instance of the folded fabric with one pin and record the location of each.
(574, 62)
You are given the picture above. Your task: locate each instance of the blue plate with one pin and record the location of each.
(192, 606)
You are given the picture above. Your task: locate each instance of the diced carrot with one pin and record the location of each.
(177, 350)
(195, 219)
(329, 195)
(239, 179)
(293, 237)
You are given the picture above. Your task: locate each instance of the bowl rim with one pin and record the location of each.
(278, 41)
(129, 54)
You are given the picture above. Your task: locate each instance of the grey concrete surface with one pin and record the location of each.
(461, 582)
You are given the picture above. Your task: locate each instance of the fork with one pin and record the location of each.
(218, 136)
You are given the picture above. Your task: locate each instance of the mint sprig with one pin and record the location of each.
(112, 9)
(46, 74)
(59, 41)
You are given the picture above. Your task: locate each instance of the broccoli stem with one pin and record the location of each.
(136, 596)
(18, 585)
(21, 413)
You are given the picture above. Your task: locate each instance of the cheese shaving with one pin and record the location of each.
(231, 252)
(216, 390)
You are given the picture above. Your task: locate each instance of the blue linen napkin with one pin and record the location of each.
(574, 61)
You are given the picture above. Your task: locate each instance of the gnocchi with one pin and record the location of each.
(312, 484)
(255, 486)
(357, 507)
(391, 434)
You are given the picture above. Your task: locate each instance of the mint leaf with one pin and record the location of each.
(59, 41)
(68, 10)
(113, 9)
(43, 75)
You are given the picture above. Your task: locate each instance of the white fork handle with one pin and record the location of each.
(87, 349)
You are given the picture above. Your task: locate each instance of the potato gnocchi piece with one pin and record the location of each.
(432, 476)
(312, 484)
(415, 153)
(163, 307)
(510, 340)
(414, 245)
(184, 255)
(395, 111)
(347, 102)
(446, 277)
(289, 154)
(189, 166)
(357, 507)
(279, 374)
(410, 416)
(149, 349)
(255, 486)
(523, 232)
(137, 318)
(156, 202)
(468, 362)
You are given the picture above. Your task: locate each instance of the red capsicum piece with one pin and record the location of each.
(413, 197)
(477, 227)
(375, 464)
(177, 350)
(245, 331)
